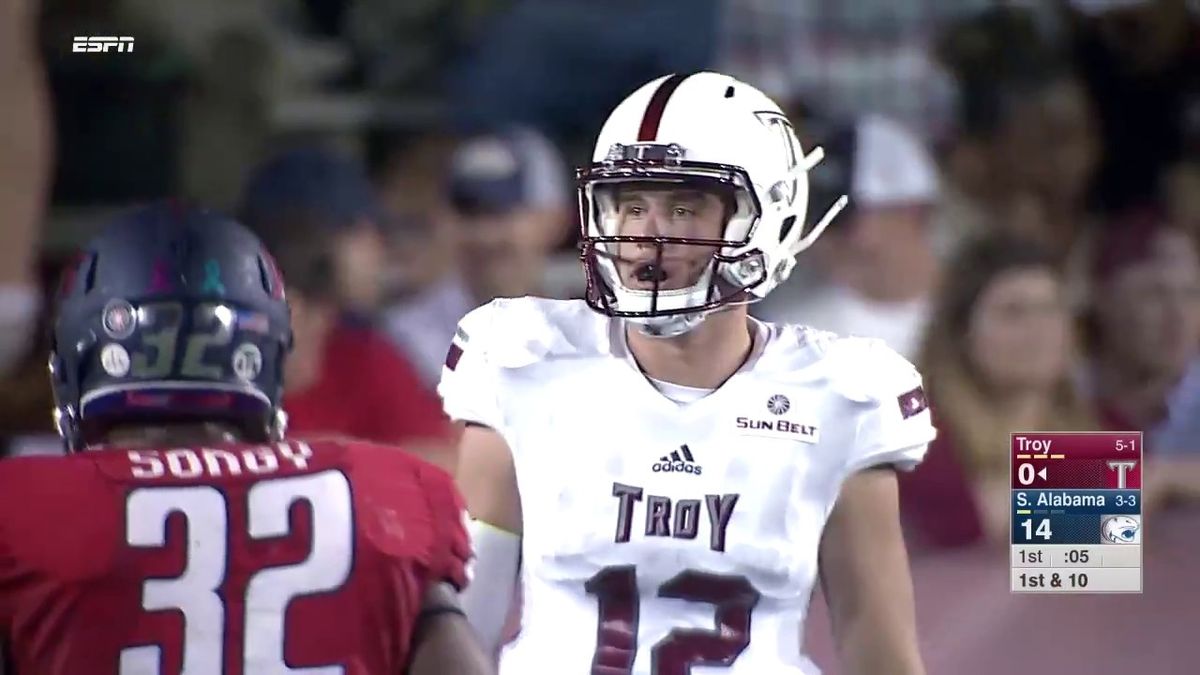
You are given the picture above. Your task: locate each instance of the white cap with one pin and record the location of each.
(891, 165)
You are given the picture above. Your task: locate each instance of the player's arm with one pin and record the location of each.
(866, 578)
(487, 479)
(471, 392)
(444, 641)
(863, 560)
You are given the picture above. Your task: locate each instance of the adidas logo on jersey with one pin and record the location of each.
(680, 461)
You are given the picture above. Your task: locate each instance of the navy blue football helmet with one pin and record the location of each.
(172, 314)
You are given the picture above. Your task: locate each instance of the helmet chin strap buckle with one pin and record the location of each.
(668, 326)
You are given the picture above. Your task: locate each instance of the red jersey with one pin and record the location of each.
(235, 559)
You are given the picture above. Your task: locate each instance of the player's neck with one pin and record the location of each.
(704, 357)
(181, 435)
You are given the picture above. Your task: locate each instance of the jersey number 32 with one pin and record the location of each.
(195, 592)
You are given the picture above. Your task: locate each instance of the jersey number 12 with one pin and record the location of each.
(616, 638)
(195, 592)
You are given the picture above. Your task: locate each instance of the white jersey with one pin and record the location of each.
(659, 537)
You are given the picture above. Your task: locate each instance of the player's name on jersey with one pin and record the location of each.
(190, 463)
(1032, 502)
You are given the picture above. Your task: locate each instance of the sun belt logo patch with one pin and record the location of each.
(778, 405)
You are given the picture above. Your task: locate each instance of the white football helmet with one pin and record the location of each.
(706, 130)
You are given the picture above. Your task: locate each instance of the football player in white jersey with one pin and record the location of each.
(665, 475)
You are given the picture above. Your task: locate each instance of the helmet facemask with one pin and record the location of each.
(666, 284)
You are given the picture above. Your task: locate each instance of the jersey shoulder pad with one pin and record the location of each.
(866, 370)
(410, 510)
(517, 332)
(894, 422)
(38, 495)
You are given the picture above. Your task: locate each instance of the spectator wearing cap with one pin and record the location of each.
(882, 269)
(331, 191)
(344, 377)
(509, 205)
(1143, 324)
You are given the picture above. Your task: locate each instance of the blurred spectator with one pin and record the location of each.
(24, 175)
(344, 377)
(1141, 61)
(847, 58)
(560, 65)
(25, 166)
(997, 359)
(409, 170)
(403, 46)
(509, 204)
(1026, 145)
(1144, 332)
(409, 167)
(1180, 188)
(1181, 195)
(882, 268)
(26, 402)
(332, 191)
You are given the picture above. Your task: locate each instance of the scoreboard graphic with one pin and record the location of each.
(1076, 512)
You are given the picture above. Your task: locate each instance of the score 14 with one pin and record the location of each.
(1042, 530)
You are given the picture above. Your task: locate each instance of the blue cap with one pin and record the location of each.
(497, 173)
(321, 184)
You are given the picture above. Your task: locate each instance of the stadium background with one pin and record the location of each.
(1025, 175)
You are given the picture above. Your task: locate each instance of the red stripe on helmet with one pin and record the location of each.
(648, 131)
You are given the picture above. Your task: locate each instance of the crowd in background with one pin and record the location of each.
(1024, 181)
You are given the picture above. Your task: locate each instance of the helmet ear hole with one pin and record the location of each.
(89, 279)
(786, 227)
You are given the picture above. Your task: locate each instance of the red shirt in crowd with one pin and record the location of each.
(366, 389)
(937, 500)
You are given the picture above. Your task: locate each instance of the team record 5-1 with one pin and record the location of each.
(1076, 512)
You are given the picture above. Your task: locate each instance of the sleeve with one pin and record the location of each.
(894, 425)
(469, 386)
(449, 560)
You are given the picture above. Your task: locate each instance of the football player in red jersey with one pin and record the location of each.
(183, 534)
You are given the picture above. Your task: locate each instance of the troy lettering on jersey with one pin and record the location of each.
(681, 521)
(193, 463)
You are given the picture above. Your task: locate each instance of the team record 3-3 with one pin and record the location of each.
(1076, 512)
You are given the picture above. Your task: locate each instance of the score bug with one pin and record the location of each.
(1075, 520)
